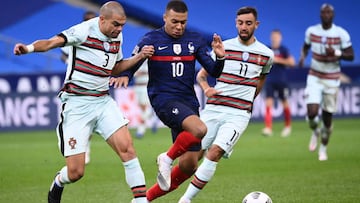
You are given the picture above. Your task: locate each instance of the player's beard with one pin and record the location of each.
(247, 37)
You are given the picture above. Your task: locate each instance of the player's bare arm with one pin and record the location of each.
(146, 52)
(304, 53)
(39, 45)
(345, 54)
(288, 62)
(218, 46)
(203, 82)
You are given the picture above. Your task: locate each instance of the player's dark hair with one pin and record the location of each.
(276, 30)
(177, 6)
(246, 10)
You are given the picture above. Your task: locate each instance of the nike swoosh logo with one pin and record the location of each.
(162, 48)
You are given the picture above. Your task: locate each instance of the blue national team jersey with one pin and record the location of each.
(172, 67)
(278, 71)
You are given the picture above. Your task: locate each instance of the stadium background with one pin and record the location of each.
(28, 84)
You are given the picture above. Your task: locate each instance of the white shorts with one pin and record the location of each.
(141, 94)
(322, 91)
(224, 129)
(81, 116)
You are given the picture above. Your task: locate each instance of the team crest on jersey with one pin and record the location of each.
(72, 143)
(106, 46)
(191, 47)
(245, 56)
(177, 48)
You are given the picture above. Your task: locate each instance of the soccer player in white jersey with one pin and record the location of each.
(64, 57)
(86, 104)
(230, 102)
(329, 44)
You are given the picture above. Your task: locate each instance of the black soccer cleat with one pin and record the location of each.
(55, 192)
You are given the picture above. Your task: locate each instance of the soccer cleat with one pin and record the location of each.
(314, 140)
(184, 200)
(322, 153)
(267, 132)
(286, 131)
(164, 173)
(54, 195)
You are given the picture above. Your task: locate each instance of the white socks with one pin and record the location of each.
(202, 175)
(63, 177)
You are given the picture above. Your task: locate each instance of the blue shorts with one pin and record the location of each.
(173, 113)
(279, 89)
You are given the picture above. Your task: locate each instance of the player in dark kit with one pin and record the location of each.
(171, 92)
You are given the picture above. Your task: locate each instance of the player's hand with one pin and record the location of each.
(20, 49)
(330, 51)
(218, 46)
(118, 82)
(211, 91)
(147, 51)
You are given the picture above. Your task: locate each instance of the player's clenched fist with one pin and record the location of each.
(147, 51)
(22, 49)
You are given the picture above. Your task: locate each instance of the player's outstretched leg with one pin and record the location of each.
(55, 192)
(57, 186)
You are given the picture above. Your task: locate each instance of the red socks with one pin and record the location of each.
(268, 117)
(177, 177)
(287, 116)
(182, 143)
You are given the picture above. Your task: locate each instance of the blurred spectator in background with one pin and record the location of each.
(140, 88)
(276, 84)
(64, 57)
(329, 44)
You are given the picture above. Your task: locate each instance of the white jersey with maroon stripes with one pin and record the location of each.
(238, 81)
(92, 56)
(318, 38)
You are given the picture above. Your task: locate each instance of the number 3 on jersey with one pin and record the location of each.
(177, 69)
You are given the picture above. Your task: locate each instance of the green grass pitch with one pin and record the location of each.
(281, 167)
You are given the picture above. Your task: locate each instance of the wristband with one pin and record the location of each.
(337, 52)
(30, 48)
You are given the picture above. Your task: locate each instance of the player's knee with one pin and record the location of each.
(215, 153)
(200, 131)
(75, 174)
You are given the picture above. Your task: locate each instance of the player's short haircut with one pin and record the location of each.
(326, 5)
(112, 7)
(247, 10)
(177, 6)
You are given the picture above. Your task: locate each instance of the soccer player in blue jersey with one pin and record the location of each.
(277, 84)
(86, 106)
(171, 92)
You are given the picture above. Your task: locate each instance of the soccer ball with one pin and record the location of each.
(257, 197)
